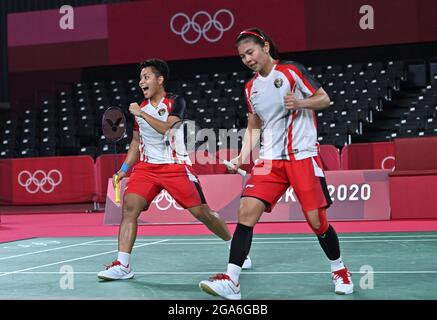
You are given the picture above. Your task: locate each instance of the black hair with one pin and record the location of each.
(160, 68)
(258, 36)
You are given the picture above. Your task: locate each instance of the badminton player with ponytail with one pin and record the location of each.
(282, 99)
(160, 167)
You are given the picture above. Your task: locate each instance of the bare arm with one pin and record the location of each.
(318, 101)
(250, 139)
(160, 126)
(131, 157)
(133, 152)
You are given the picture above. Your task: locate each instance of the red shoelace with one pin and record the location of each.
(114, 264)
(220, 276)
(344, 274)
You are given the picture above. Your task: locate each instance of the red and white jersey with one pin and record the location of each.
(153, 146)
(286, 135)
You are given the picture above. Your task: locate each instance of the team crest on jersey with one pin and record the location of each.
(161, 112)
(278, 82)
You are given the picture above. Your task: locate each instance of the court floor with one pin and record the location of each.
(286, 267)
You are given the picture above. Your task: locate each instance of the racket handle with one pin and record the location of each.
(231, 166)
(117, 190)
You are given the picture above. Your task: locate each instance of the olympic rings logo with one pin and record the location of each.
(39, 180)
(164, 195)
(202, 30)
(385, 160)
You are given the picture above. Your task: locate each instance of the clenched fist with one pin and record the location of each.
(135, 109)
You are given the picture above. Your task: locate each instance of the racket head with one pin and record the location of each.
(113, 124)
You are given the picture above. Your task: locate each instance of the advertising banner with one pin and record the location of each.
(356, 195)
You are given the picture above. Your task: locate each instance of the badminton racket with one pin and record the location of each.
(114, 128)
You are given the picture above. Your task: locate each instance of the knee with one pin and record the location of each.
(130, 211)
(318, 221)
(202, 214)
(244, 216)
(315, 224)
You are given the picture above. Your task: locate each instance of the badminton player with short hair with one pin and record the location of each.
(160, 167)
(282, 98)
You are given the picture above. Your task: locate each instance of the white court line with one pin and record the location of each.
(47, 250)
(244, 272)
(292, 238)
(75, 259)
(96, 242)
(271, 242)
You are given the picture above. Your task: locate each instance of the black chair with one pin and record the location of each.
(220, 76)
(28, 153)
(105, 148)
(206, 85)
(203, 77)
(171, 86)
(188, 86)
(334, 69)
(416, 73)
(374, 66)
(227, 122)
(396, 69)
(8, 154)
(354, 68)
(88, 150)
(48, 141)
(211, 93)
(47, 151)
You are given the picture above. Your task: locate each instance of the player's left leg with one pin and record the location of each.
(308, 181)
(139, 193)
(226, 285)
(184, 186)
(121, 268)
(329, 242)
(211, 220)
(215, 224)
(188, 193)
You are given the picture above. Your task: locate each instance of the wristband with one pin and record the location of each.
(124, 167)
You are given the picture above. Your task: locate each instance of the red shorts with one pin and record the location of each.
(305, 176)
(180, 181)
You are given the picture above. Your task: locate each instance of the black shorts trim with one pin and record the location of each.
(325, 191)
(266, 203)
(199, 190)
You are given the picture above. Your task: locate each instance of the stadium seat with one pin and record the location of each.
(359, 93)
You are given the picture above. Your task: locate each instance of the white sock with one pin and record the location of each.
(124, 258)
(234, 272)
(228, 243)
(336, 264)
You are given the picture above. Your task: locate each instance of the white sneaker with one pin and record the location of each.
(221, 285)
(247, 264)
(116, 271)
(343, 281)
